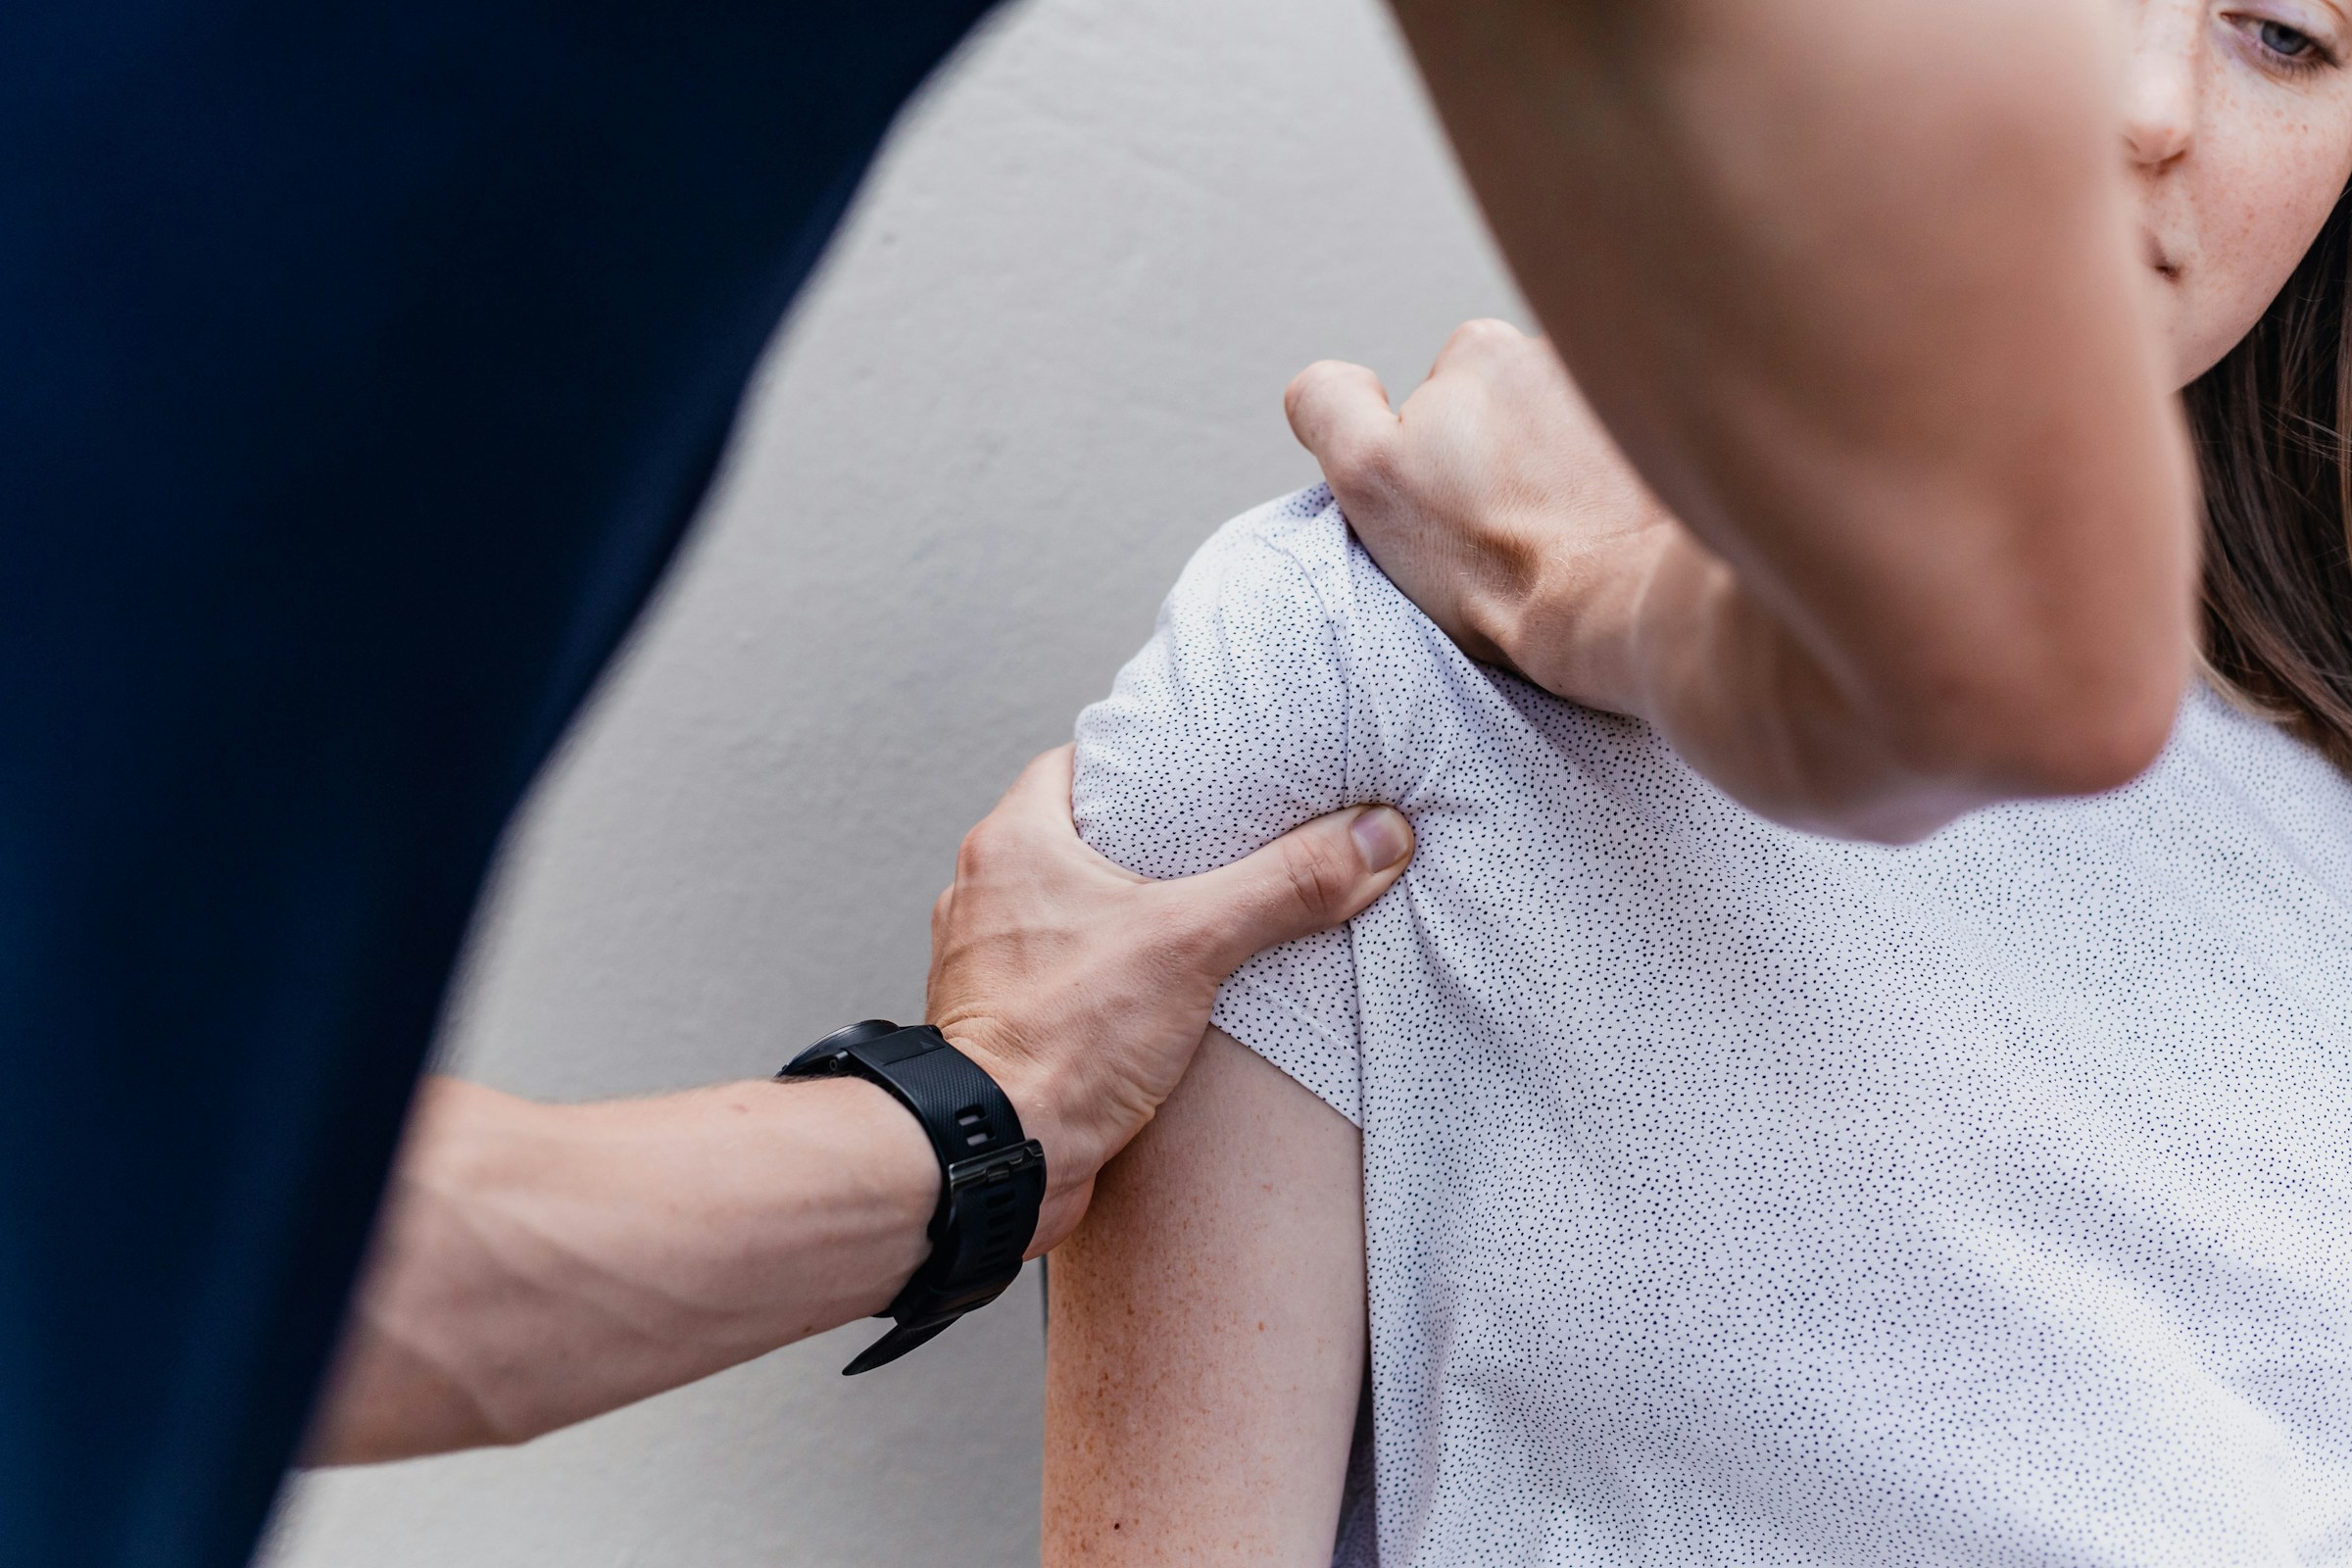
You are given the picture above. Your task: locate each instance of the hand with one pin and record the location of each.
(539, 1264)
(1500, 505)
(1085, 989)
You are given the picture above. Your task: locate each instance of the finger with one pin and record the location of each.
(1340, 413)
(1485, 338)
(1032, 824)
(1035, 810)
(1044, 787)
(1312, 878)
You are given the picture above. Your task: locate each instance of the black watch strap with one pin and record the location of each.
(992, 1178)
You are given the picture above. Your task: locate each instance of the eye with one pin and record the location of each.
(2286, 43)
(2281, 47)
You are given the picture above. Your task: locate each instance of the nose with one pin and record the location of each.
(2160, 83)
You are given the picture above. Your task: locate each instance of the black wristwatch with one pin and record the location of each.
(992, 1179)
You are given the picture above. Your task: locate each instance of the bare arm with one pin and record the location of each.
(539, 1264)
(1853, 286)
(1207, 1340)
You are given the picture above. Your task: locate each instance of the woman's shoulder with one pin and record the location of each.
(1289, 562)
(1284, 677)
(2237, 776)
(1229, 727)
(1288, 676)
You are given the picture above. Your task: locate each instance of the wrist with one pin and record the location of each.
(992, 1186)
(1586, 626)
(1067, 1121)
(873, 1134)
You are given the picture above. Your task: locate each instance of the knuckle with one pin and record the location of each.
(1319, 374)
(1300, 397)
(1319, 880)
(1179, 938)
(977, 854)
(1480, 348)
(1487, 331)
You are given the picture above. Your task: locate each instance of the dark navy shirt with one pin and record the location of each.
(360, 364)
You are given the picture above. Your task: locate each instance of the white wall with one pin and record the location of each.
(1044, 361)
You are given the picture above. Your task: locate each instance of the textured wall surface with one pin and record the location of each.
(1042, 362)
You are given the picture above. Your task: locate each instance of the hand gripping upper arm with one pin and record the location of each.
(1207, 1346)
(1231, 727)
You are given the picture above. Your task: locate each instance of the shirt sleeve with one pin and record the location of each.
(1229, 729)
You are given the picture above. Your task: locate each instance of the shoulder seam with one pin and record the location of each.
(1341, 651)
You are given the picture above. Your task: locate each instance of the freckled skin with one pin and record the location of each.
(2239, 151)
(1207, 1338)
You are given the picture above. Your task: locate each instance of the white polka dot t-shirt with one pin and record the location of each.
(1735, 1195)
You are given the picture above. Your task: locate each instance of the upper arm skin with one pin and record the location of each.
(1207, 1346)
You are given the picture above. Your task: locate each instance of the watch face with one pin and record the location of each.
(835, 1044)
(856, 1034)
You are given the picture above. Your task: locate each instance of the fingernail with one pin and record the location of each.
(1381, 836)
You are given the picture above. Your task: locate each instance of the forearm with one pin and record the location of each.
(539, 1264)
(1670, 633)
(1852, 286)
(1750, 706)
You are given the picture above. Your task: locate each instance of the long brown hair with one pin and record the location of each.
(2269, 423)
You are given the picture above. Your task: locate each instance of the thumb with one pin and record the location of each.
(1312, 878)
(1340, 413)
